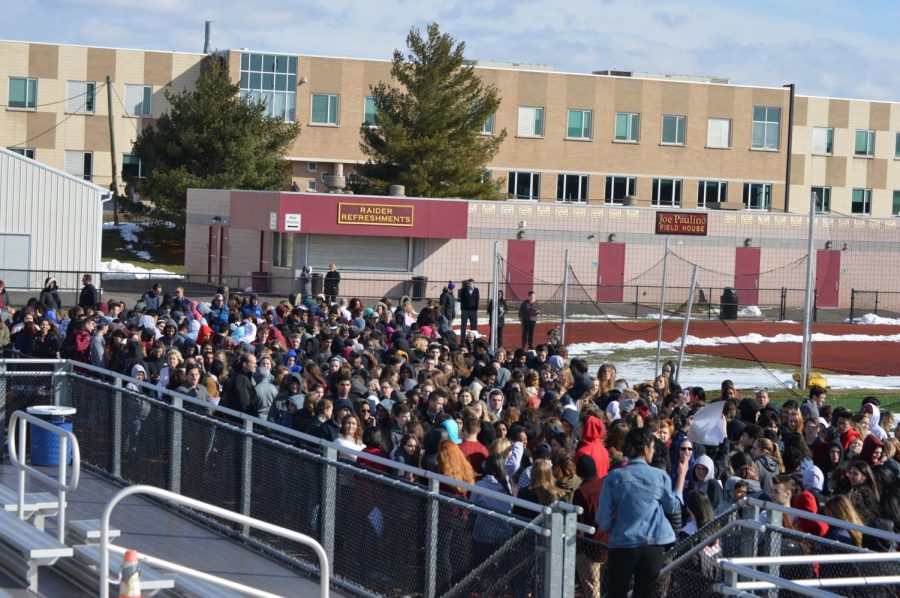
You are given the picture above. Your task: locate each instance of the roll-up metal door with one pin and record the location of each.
(382, 254)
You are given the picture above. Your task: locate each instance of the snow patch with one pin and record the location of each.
(127, 230)
(751, 311)
(874, 319)
(116, 270)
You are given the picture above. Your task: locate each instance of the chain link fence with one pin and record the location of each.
(385, 536)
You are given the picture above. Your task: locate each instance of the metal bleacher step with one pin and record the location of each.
(87, 531)
(35, 501)
(85, 569)
(191, 587)
(24, 548)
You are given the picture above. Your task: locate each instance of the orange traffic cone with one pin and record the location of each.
(130, 576)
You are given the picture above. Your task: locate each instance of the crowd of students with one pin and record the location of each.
(400, 383)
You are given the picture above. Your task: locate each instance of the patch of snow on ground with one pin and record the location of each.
(116, 270)
(143, 255)
(750, 311)
(874, 319)
(127, 230)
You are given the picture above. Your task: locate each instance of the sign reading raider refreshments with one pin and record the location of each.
(375, 214)
(681, 223)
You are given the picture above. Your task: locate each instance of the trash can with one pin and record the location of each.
(419, 287)
(44, 443)
(728, 304)
(318, 283)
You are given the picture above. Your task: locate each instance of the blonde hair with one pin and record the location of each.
(771, 448)
(500, 447)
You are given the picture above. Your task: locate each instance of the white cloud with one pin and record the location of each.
(826, 47)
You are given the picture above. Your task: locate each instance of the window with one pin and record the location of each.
(80, 164)
(897, 146)
(673, 130)
(865, 144)
(80, 97)
(484, 176)
(488, 127)
(708, 191)
(282, 249)
(766, 127)
(531, 121)
(579, 124)
(757, 196)
(718, 133)
(618, 188)
(312, 166)
(132, 167)
(138, 100)
(23, 92)
(572, 187)
(311, 185)
(628, 124)
(823, 141)
(524, 185)
(666, 192)
(895, 209)
(823, 199)
(271, 80)
(28, 152)
(324, 109)
(862, 201)
(369, 117)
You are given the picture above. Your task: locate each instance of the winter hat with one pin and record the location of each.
(387, 404)
(541, 451)
(556, 362)
(614, 410)
(343, 404)
(813, 479)
(626, 406)
(570, 415)
(450, 285)
(452, 430)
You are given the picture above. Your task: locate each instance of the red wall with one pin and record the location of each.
(432, 219)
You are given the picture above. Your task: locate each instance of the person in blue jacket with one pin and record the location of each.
(634, 502)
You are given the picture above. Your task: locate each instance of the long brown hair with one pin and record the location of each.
(841, 507)
(453, 464)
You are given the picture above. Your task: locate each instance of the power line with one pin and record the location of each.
(42, 133)
(96, 89)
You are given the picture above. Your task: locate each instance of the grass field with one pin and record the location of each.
(154, 247)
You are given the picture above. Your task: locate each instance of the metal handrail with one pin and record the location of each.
(808, 559)
(312, 440)
(831, 521)
(324, 566)
(207, 577)
(22, 419)
(776, 581)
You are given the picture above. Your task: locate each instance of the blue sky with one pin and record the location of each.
(827, 47)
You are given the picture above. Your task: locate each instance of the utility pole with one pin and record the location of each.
(114, 187)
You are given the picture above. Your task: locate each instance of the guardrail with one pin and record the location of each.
(324, 567)
(20, 420)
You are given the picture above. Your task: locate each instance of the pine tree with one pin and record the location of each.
(211, 138)
(428, 134)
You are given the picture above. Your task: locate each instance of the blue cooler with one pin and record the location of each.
(44, 444)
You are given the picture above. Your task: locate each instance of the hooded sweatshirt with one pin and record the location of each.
(874, 420)
(768, 469)
(592, 444)
(709, 484)
(805, 501)
(869, 445)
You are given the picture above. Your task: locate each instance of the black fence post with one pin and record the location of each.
(876, 303)
(815, 310)
(783, 309)
(852, 303)
(637, 293)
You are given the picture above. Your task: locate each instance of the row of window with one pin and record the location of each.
(81, 164)
(81, 96)
(863, 142)
(668, 192)
(665, 192)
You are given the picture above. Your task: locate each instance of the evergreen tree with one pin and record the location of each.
(211, 138)
(428, 134)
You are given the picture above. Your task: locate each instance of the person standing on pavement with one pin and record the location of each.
(332, 283)
(448, 303)
(88, 296)
(468, 306)
(529, 311)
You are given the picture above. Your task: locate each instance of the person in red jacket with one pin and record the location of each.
(592, 435)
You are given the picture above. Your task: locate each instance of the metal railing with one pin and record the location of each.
(19, 421)
(324, 567)
(255, 462)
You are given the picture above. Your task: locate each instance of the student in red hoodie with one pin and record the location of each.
(593, 434)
